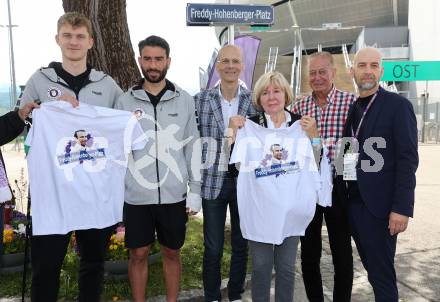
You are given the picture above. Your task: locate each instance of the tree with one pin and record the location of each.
(112, 52)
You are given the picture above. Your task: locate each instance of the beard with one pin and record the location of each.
(363, 86)
(157, 79)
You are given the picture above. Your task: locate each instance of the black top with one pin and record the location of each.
(358, 110)
(11, 126)
(154, 99)
(76, 83)
(260, 118)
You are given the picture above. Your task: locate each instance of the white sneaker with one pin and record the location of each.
(238, 300)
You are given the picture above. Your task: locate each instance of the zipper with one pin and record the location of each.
(157, 151)
(68, 87)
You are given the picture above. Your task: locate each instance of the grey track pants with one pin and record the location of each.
(265, 257)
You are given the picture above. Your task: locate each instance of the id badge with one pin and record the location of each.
(350, 162)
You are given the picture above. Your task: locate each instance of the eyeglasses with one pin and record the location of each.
(226, 62)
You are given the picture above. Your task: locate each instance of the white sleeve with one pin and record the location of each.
(134, 136)
(194, 201)
(30, 134)
(238, 153)
(325, 171)
(139, 140)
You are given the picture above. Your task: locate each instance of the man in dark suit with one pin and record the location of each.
(379, 171)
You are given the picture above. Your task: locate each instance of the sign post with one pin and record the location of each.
(198, 14)
(231, 31)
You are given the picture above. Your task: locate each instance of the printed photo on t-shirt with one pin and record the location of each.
(275, 163)
(83, 147)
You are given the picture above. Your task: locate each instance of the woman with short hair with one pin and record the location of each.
(272, 94)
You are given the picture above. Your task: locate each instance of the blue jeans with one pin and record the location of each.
(214, 216)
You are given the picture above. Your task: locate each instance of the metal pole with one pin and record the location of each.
(26, 246)
(437, 124)
(11, 49)
(231, 32)
(424, 110)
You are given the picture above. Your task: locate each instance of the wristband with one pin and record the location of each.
(316, 141)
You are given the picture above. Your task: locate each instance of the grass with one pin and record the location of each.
(116, 289)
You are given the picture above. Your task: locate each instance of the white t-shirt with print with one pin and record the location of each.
(77, 164)
(279, 182)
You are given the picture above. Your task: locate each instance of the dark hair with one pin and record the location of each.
(75, 135)
(154, 41)
(272, 148)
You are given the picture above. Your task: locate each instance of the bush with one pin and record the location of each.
(14, 234)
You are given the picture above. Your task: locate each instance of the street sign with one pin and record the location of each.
(405, 71)
(198, 14)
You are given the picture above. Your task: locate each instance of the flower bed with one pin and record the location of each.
(116, 263)
(14, 234)
(14, 241)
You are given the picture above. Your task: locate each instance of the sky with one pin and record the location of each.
(34, 38)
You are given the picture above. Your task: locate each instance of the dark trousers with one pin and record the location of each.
(48, 252)
(214, 216)
(376, 248)
(336, 219)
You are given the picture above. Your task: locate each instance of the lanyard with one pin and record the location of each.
(355, 135)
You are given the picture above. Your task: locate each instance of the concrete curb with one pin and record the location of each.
(197, 295)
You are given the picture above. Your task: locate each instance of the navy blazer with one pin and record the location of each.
(391, 117)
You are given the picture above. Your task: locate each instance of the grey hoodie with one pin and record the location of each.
(45, 85)
(171, 161)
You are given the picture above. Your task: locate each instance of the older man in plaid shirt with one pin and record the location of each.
(329, 106)
(216, 107)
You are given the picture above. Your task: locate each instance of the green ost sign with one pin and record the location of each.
(405, 71)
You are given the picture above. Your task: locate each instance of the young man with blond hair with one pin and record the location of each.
(74, 81)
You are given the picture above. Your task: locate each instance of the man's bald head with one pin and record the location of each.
(369, 52)
(229, 48)
(367, 70)
(229, 64)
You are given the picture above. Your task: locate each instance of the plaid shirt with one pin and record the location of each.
(331, 119)
(212, 129)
